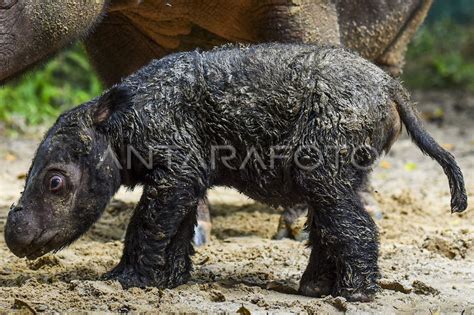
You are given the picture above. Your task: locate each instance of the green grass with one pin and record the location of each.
(65, 81)
(441, 56)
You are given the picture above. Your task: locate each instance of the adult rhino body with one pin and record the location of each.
(123, 35)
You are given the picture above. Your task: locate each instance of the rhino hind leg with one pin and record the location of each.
(290, 225)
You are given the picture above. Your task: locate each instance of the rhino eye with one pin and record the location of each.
(56, 183)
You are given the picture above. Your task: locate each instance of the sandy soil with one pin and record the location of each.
(427, 254)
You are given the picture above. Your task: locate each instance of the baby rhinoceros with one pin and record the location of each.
(284, 124)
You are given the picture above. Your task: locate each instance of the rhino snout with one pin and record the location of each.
(19, 231)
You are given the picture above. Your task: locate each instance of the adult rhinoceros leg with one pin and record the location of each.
(202, 231)
(393, 58)
(307, 21)
(287, 225)
(381, 29)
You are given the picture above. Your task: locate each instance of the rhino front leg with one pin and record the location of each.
(158, 243)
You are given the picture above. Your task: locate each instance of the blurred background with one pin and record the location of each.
(440, 57)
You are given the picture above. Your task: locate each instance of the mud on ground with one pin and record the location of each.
(427, 254)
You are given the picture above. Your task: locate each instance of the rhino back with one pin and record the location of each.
(271, 89)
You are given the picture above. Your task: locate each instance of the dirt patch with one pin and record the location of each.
(426, 258)
(451, 244)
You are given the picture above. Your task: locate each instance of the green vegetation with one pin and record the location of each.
(39, 96)
(461, 11)
(441, 56)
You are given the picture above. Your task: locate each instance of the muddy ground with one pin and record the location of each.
(427, 254)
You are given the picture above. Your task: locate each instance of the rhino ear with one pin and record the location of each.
(111, 104)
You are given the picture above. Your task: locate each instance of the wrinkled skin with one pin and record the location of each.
(187, 111)
(123, 35)
(32, 30)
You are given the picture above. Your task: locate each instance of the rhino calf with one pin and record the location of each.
(284, 124)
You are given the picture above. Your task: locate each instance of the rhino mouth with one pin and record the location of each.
(45, 242)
